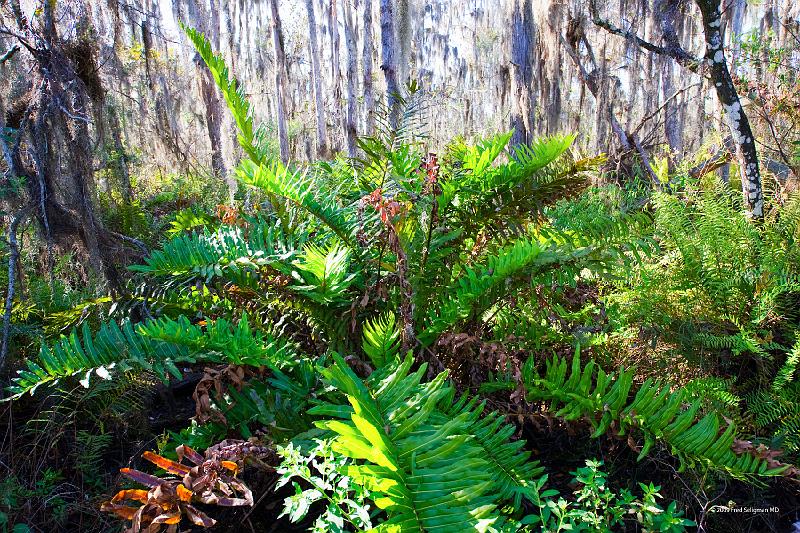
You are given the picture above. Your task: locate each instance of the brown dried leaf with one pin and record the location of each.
(167, 464)
(141, 477)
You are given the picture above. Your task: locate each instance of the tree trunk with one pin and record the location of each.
(316, 78)
(402, 21)
(522, 119)
(667, 12)
(366, 65)
(280, 73)
(333, 31)
(121, 160)
(352, 73)
(742, 135)
(389, 65)
(213, 116)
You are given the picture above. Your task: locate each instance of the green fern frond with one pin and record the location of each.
(657, 412)
(521, 257)
(188, 220)
(231, 252)
(381, 341)
(515, 474)
(113, 347)
(221, 341)
(787, 372)
(298, 188)
(324, 273)
(425, 471)
(233, 93)
(156, 346)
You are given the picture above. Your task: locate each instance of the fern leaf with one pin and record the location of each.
(381, 340)
(231, 91)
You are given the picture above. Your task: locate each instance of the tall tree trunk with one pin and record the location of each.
(352, 73)
(213, 115)
(333, 31)
(402, 20)
(366, 65)
(208, 23)
(743, 139)
(121, 160)
(522, 45)
(280, 73)
(316, 78)
(667, 13)
(389, 65)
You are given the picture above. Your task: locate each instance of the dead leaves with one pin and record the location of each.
(211, 480)
(761, 451)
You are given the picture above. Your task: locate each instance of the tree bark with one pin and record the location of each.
(316, 78)
(667, 11)
(333, 31)
(352, 73)
(389, 65)
(280, 76)
(213, 116)
(209, 25)
(736, 118)
(366, 65)
(522, 35)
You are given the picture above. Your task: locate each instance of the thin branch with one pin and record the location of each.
(676, 52)
(662, 106)
(645, 160)
(719, 158)
(9, 53)
(73, 117)
(136, 242)
(12, 264)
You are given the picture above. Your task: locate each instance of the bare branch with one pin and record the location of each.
(674, 51)
(662, 106)
(13, 257)
(9, 53)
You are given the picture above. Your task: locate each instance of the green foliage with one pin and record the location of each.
(381, 340)
(324, 274)
(611, 403)
(597, 508)
(296, 187)
(725, 291)
(156, 346)
(188, 220)
(231, 91)
(15, 497)
(385, 258)
(230, 253)
(325, 471)
(426, 468)
(425, 473)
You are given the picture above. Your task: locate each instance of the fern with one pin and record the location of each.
(156, 346)
(514, 472)
(426, 476)
(660, 414)
(522, 257)
(188, 220)
(230, 252)
(231, 91)
(779, 411)
(787, 372)
(296, 187)
(381, 340)
(431, 464)
(324, 273)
